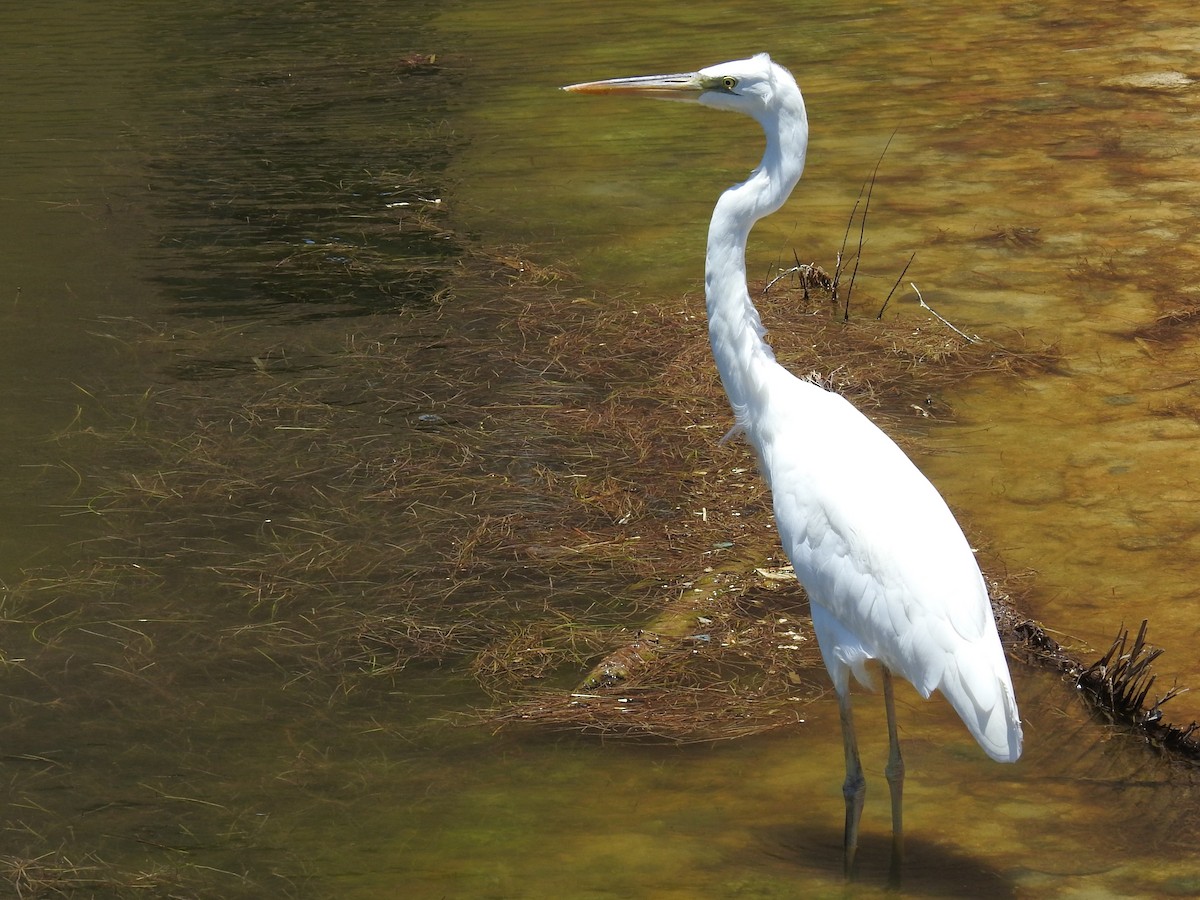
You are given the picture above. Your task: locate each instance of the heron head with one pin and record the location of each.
(755, 86)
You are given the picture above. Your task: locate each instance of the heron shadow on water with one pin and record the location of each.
(889, 574)
(931, 869)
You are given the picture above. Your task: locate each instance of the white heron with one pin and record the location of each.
(889, 575)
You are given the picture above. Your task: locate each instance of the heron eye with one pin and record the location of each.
(729, 83)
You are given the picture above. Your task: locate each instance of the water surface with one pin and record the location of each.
(1039, 192)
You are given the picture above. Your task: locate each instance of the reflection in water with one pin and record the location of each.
(150, 727)
(301, 179)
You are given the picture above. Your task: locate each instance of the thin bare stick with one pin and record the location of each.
(896, 285)
(841, 255)
(869, 187)
(968, 338)
(803, 282)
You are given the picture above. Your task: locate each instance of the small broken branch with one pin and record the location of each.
(925, 306)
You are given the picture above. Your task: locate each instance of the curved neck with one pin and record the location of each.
(734, 328)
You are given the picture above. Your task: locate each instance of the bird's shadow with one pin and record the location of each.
(930, 869)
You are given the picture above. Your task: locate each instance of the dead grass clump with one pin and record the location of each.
(1023, 236)
(896, 367)
(739, 660)
(1170, 327)
(532, 654)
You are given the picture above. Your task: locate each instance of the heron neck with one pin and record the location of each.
(734, 327)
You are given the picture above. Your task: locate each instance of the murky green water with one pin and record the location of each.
(1039, 194)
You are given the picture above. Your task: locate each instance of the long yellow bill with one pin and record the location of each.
(683, 86)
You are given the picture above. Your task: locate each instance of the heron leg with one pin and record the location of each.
(855, 787)
(895, 778)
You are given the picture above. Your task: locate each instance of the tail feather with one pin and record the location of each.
(983, 697)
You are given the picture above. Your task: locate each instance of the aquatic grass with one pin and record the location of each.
(56, 875)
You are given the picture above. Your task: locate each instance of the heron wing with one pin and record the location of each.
(887, 567)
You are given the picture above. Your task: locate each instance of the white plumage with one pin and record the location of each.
(887, 569)
(889, 574)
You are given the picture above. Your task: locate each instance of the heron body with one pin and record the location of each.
(889, 575)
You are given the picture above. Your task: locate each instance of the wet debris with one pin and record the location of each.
(1117, 685)
(1013, 236)
(1173, 325)
(740, 661)
(1165, 82)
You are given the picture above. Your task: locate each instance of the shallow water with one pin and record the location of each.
(122, 193)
